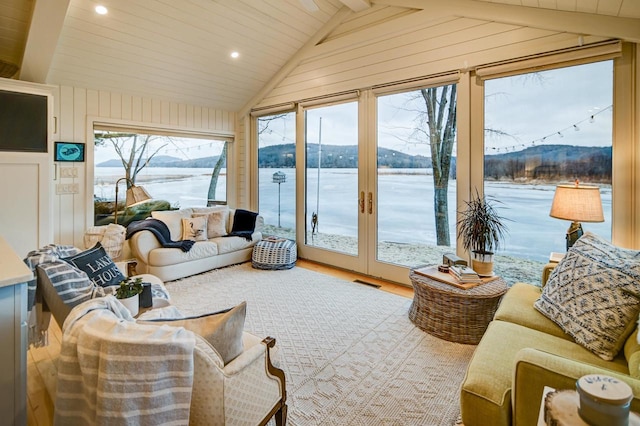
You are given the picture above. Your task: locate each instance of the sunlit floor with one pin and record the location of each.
(41, 361)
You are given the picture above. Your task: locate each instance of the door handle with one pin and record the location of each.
(361, 202)
(370, 203)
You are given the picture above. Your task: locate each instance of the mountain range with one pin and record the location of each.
(346, 156)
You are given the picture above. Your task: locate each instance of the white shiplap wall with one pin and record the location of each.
(409, 45)
(76, 108)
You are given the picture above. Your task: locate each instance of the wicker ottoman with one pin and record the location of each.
(452, 313)
(274, 255)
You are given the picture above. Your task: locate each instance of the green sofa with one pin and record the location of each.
(523, 351)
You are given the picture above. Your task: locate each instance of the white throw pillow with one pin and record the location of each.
(194, 228)
(216, 223)
(173, 220)
(211, 209)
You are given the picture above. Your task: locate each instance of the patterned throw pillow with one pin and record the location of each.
(97, 264)
(194, 228)
(173, 220)
(223, 330)
(216, 223)
(590, 295)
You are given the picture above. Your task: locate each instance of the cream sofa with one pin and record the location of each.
(172, 263)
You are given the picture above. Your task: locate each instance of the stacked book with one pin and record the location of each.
(464, 274)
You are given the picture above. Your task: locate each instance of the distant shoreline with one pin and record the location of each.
(102, 179)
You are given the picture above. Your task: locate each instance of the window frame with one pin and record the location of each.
(96, 123)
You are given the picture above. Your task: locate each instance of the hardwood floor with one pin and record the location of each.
(41, 361)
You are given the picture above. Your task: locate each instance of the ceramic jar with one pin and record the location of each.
(604, 400)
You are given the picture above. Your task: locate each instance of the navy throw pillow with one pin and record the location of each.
(97, 264)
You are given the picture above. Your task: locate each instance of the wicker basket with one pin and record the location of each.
(274, 255)
(452, 313)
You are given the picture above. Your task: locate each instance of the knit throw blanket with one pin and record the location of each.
(39, 315)
(113, 371)
(161, 231)
(244, 223)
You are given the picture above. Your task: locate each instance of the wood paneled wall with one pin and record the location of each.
(403, 46)
(77, 109)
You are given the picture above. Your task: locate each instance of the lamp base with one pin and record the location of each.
(573, 233)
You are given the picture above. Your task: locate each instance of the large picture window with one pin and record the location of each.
(543, 129)
(176, 171)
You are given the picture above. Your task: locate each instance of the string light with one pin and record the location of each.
(558, 133)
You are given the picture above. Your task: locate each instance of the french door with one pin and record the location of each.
(378, 188)
(330, 222)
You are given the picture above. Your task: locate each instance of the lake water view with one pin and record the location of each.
(405, 195)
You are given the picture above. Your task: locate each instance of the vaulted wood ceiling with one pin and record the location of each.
(181, 50)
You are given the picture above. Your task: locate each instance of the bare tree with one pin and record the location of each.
(213, 184)
(440, 121)
(263, 127)
(133, 149)
(265, 121)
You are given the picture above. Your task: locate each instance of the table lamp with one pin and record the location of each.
(578, 204)
(135, 195)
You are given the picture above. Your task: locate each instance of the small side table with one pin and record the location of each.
(451, 313)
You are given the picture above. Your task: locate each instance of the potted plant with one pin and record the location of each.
(481, 229)
(128, 294)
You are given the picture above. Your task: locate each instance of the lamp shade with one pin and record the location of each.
(577, 203)
(136, 195)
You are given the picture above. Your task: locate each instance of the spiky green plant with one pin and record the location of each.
(481, 227)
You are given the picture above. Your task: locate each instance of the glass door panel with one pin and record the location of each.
(331, 175)
(528, 153)
(416, 185)
(277, 174)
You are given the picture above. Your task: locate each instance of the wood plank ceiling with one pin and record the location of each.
(180, 50)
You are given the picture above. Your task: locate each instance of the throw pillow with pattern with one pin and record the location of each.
(195, 228)
(216, 223)
(98, 266)
(590, 294)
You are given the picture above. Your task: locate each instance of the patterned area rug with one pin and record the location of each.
(350, 353)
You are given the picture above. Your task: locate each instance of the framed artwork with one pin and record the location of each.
(69, 151)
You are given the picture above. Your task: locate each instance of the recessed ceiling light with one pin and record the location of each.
(101, 10)
(234, 55)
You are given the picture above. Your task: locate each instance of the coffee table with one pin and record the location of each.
(452, 313)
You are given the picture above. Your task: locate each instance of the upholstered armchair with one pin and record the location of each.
(247, 391)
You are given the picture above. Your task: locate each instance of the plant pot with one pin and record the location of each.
(482, 263)
(131, 303)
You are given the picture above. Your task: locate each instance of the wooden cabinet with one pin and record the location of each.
(14, 276)
(26, 180)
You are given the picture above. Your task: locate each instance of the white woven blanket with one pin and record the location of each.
(113, 371)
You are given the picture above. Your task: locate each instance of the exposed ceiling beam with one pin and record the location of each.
(293, 62)
(357, 5)
(547, 19)
(46, 26)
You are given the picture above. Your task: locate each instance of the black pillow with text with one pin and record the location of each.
(97, 264)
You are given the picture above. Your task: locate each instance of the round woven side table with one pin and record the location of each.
(452, 313)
